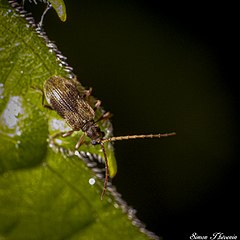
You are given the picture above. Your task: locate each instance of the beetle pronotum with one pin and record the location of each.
(70, 101)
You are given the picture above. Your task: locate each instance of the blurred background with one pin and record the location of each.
(162, 67)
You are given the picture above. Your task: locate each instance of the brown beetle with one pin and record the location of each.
(69, 99)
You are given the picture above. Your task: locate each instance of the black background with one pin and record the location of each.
(164, 66)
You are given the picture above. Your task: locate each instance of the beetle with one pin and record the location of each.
(70, 100)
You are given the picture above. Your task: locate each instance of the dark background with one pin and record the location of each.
(162, 67)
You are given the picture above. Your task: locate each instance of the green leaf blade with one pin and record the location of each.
(44, 189)
(60, 8)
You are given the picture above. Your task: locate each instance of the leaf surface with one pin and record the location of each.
(45, 190)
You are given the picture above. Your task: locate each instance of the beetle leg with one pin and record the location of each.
(43, 98)
(87, 93)
(80, 141)
(47, 106)
(62, 134)
(66, 134)
(97, 105)
(105, 116)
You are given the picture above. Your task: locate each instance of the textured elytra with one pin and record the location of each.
(65, 98)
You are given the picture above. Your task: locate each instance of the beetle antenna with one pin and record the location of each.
(106, 171)
(112, 139)
(120, 138)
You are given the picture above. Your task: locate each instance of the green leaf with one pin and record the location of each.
(59, 7)
(45, 190)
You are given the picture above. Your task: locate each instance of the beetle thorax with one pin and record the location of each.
(93, 132)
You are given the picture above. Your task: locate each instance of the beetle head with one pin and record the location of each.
(95, 134)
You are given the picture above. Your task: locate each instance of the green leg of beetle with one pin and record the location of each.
(43, 98)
